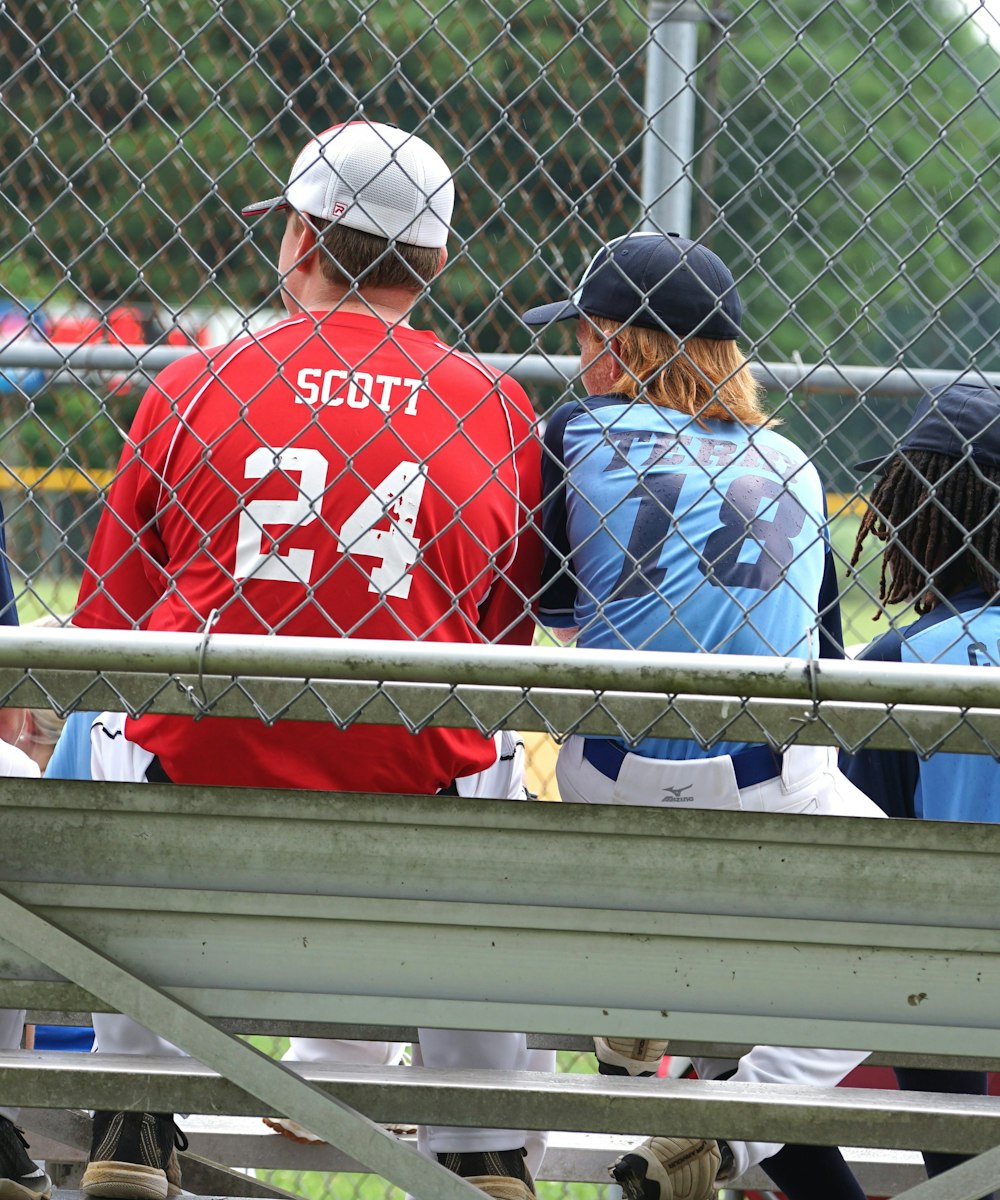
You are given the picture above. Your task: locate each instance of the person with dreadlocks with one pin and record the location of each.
(936, 505)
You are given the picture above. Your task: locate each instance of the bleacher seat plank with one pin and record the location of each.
(764, 928)
(583, 1103)
(696, 926)
(575, 1044)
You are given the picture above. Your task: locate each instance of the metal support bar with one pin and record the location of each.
(668, 143)
(968, 1181)
(542, 1100)
(205, 1177)
(239, 1062)
(556, 369)
(957, 730)
(309, 659)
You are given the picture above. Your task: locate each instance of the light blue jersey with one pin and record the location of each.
(669, 535)
(71, 757)
(963, 629)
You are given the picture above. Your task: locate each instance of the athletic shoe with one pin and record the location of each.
(133, 1156)
(669, 1169)
(173, 1169)
(20, 1178)
(628, 1056)
(298, 1133)
(499, 1173)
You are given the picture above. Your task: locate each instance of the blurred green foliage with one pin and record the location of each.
(842, 158)
(845, 165)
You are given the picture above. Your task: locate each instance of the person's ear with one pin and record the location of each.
(12, 723)
(307, 246)
(443, 259)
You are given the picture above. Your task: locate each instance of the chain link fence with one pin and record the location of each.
(841, 157)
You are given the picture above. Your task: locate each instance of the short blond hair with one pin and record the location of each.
(707, 378)
(48, 724)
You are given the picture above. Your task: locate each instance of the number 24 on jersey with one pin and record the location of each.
(394, 547)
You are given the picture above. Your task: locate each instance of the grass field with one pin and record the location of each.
(858, 591)
(43, 595)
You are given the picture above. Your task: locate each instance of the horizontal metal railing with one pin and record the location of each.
(557, 369)
(702, 697)
(441, 662)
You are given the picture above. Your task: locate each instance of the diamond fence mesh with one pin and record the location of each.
(841, 157)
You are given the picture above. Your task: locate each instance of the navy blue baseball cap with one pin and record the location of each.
(659, 280)
(960, 419)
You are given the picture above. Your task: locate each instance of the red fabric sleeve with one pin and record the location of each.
(507, 615)
(124, 576)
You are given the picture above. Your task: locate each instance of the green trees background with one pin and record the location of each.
(846, 163)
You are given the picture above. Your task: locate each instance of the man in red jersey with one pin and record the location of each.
(339, 474)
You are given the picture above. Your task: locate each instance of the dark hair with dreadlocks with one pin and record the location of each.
(941, 519)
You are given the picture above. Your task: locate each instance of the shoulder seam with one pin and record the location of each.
(212, 374)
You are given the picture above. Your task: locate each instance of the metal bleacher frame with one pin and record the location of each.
(201, 911)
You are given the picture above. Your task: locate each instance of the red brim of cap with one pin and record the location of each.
(262, 207)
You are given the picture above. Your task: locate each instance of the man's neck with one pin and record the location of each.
(391, 305)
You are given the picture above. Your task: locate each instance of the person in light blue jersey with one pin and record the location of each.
(71, 754)
(678, 519)
(936, 505)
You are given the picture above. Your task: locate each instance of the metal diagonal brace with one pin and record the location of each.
(237, 1061)
(967, 1181)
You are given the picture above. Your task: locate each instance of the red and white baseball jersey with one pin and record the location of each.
(327, 477)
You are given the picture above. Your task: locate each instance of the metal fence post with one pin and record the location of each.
(668, 144)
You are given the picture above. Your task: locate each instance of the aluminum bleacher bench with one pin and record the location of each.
(175, 904)
(62, 1138)
(200, 911)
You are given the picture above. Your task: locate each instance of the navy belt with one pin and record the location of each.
(756, 764)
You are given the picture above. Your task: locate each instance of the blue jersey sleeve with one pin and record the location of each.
(558, 596)
(71, 757)
(831, 630)
(889, 777)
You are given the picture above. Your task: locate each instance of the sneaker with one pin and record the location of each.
(629, 1056)
(20, 1178)
(669, 1169)
(499, 1173)
(133, 1156)
(173, 1168)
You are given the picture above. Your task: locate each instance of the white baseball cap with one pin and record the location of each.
(372, 177)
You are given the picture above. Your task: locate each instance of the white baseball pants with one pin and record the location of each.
(113, 757)
(810, 782)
